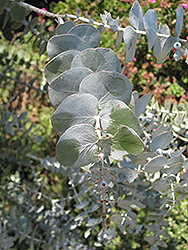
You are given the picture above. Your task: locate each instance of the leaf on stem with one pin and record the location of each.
(76, 145)
(130, 39)
(75, 109)
(97, 60)
(136, 16)
(179, 20)
(89, 35)
(66, 84)
(60, 43)
(126, 139)
(63, 28)
(151, 24)
(159, 43)
(107, 85)
(59, 64)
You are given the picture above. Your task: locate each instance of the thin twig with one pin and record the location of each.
(21, 82)
(57, 17)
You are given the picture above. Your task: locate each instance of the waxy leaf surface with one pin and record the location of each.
(88, 34)
(151, 24)
(76, 146)
(106, 85)
(66, 84)
(116, 112)
(130, 39)
(63, 28)
(136, 16)
(75, 109)
(97, 60)
(59, 64)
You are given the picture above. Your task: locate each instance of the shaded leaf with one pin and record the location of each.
(151, 24)
(63, 28)
(119, 39)
(76, 145)
(59, 64)
(106, 85)
(18, 12)
(60, 43)
(142, 158)
(3, 4)
(181, 189)
(130, 39)
(66, 84)
(161, 141)
(174, 169)
(161, 185)
(105, 144)
(82, 204)
(75, 109)
(118, 219)
(124, 174)
(155, 164)
(94, 222)
(127, 139)
(141, 104)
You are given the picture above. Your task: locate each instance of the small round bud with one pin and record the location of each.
(141, 118)
(149, 137)
(159, 151)
(177, 45)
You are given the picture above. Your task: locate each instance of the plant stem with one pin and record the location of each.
(58, 18)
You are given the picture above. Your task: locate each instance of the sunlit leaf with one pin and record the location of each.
(136, 16)
(159, 43)
(151, 24)
(87, 33)
(97, 60)
(141, 104)
(66, 84)
(113, 23)
(75, 109)
(179, 20)
(168, 45)
(60, 43)
(106, 85)
(130, 39)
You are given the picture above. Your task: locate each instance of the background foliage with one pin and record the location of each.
(43, 204)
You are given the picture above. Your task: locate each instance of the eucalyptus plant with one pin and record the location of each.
(123, 142)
